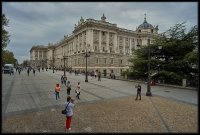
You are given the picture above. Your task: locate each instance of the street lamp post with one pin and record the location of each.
(86, 75)
(148, 93)
(64, 65)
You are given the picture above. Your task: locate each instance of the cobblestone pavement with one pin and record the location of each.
(150, 115)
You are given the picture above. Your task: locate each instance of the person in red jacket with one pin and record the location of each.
(57, 90)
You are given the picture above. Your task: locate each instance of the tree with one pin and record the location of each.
(175, 61)
(8, 57)
(4, 33)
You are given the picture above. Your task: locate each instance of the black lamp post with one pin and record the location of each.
(86, 75)
(64, 65)
(148, 93)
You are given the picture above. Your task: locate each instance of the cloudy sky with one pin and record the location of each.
(40, 23)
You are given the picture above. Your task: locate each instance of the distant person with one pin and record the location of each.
(78, 90)
(57, 90)
(95, 74)
(28, 72)
(139, 87)
(68, 88)
(99, 76)
(19, 70)
(69, 105)
(62, 79)
(34, 72)
(65, 80)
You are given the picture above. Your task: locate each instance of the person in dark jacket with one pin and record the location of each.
(139, 87)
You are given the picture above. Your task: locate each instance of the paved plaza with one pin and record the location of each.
(104, 106)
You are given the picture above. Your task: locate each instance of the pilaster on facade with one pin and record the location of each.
(100, 48)
(124, 47)
(91, 47)
(107, 42)
(115, 43)
(130, 46)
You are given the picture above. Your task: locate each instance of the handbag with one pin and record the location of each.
(65, 110)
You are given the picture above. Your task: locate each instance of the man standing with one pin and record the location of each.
(138, 86)
(68, 88)
(34, 72)
(65, 80)
(99, 76)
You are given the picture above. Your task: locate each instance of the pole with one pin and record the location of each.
(64, 65)
(86, 77)
(148, 93)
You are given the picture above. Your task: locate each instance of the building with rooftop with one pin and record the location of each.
(109, 47)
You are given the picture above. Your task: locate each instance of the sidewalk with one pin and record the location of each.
(124, 115)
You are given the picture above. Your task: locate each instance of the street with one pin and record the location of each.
(23, 93)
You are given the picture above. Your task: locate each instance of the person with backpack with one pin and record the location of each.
(139, 87)
(69, 106)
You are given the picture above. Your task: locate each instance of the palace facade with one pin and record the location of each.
(108, 47)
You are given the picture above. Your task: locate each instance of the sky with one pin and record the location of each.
(40, 23)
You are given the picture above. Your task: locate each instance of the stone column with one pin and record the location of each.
(107, 42)
(38, 55)
(124, 41)
(130, 46)
(100, 41)
(78, 43)
(90, 39)
(115, 43)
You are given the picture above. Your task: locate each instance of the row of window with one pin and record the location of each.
(104, 60)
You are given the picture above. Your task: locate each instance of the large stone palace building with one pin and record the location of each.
(108, 47)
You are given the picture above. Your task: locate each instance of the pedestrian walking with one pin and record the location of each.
(69, 105)
(34, 72)
(65, 80)
(138, 86)
(99, 76)
(68, 87)
(62, 79)
(78, 90)
(19, 70)
(28, 72)
(95, 74)
(57, 90)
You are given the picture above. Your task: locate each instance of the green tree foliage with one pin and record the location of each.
(4, 33)
(8, 57)
(175, 61)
